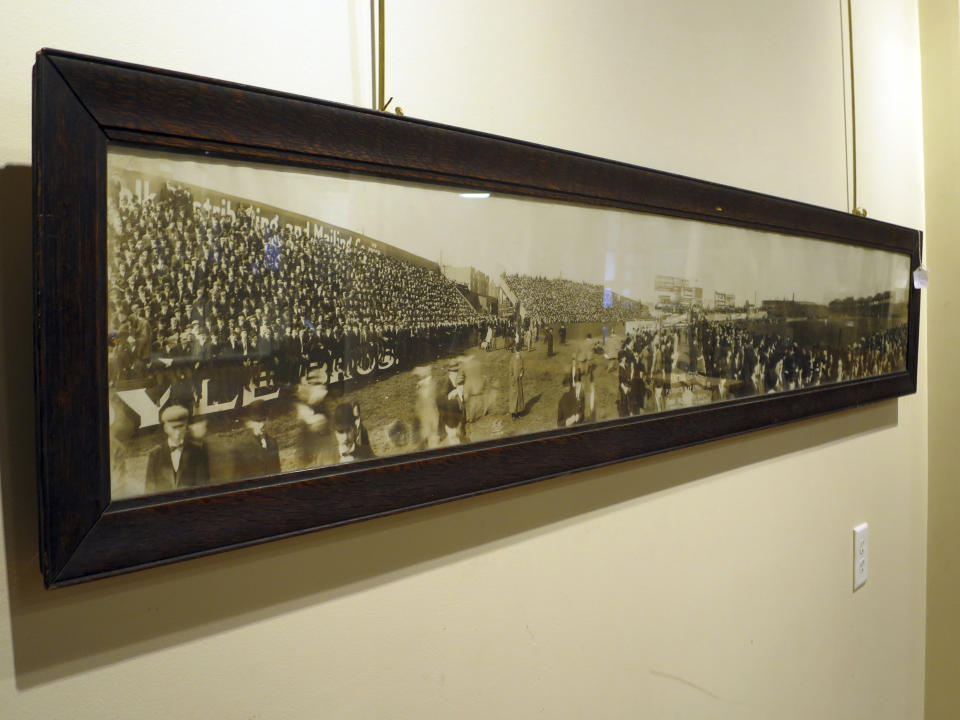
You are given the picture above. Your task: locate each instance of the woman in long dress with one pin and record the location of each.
(517, 402)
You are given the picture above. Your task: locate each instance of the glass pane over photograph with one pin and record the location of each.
(263, 319)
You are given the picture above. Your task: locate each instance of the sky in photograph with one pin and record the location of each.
(621, 250)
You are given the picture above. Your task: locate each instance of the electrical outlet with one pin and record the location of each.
(861, 554)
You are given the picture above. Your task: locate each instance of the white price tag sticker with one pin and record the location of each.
(920, 278)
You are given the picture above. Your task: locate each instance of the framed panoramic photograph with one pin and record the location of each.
(261, 314)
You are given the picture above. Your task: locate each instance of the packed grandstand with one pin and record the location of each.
(193, 283)
(555, 300)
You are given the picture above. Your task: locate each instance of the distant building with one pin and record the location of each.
(677, 292)
(724, 301)
(475, 286)
(468, 277)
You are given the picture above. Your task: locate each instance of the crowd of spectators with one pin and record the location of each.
(771, 362)
(556, 300)
(193, 287)
(742, 362)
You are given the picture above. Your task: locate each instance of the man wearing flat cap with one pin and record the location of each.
(180, 461)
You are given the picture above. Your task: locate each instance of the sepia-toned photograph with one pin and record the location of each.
(263, 320)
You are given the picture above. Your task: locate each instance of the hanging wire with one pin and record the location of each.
(381, 26)
(378, 62)
(846, 121)
(856, 209)
(373, 57)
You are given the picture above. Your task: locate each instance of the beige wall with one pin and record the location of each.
(940, 33)
(706, 583)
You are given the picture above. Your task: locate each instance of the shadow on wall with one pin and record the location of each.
(63, 632)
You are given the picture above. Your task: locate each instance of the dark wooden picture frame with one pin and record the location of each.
(82, 105)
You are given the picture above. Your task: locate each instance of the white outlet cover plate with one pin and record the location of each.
(861, 554)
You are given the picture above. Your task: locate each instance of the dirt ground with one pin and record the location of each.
(393, 398)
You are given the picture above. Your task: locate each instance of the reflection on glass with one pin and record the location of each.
(263, 320)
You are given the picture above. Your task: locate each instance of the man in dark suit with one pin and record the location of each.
(353, 443)
(258, 455)
(451, 403)
(626, 368)
(180, 461)
(570, 409)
